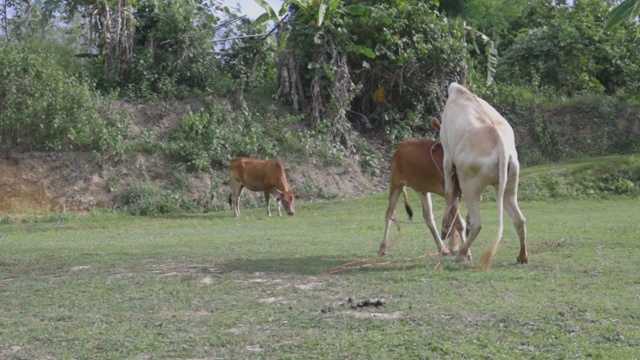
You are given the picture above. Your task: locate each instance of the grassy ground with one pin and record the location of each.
(212, 286)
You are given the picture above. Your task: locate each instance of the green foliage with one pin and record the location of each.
(249, 60)
(417, 55)
(215, 135)
(172, 52)
(141, 198)
(551, 127)
(45, 109)
(596, 179)
(628, 10)
(412, 124)
(570, 51)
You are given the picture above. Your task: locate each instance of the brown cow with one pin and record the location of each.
(417, 163)
(260, 175)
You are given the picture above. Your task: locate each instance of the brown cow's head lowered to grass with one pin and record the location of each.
(288, 200)
(260, 175)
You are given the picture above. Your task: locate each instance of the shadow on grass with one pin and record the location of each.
(310, 265)
(323, 265)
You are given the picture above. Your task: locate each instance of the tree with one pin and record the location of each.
(109, 30)
(571, 53)
(15, 18)
(312, 60)
(341, 62)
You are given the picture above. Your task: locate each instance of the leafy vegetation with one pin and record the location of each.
(350, 79)
(601, 178)
(42, 108)
(211, 138)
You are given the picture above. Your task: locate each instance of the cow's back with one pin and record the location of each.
(258, 174)
(417, 163)
(473, 132)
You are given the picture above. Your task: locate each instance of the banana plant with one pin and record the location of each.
(491, 51)
(321, 12)
(628, 9)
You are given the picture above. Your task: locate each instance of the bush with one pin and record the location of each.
(609, 177)
(42, 108)
(140, 198)
(215, 135)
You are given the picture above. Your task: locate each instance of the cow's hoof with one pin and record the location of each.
(383, 251)
(445, 252)
(522, 259)
(462, 257)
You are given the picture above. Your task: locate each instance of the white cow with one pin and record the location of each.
(479, 148)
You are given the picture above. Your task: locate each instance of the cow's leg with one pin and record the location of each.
(475, 221)
(519, 222)
(394, 194)
(267, 200)
(279, 203)
(451, 200)
(427, 214)
(459, 236)
(236, 190)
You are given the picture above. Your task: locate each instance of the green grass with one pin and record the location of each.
(213, 286)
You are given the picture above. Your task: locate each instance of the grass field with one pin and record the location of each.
(216, 287)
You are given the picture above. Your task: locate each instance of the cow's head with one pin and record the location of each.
(288, 200)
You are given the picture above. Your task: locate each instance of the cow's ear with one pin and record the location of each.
(435, 123)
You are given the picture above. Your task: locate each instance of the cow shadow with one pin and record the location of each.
(308, 265)
(339, 265)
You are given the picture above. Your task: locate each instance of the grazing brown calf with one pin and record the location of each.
(260, 175)
(479, 148)
(417, 163)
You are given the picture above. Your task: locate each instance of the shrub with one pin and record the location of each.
(215, 135)
(610, 177)
(140, 198)
(42, 108)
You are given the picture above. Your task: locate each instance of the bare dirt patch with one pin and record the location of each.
(375, 315)
(270, 300)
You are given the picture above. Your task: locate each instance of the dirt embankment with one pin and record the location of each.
(37, 182)
(32, 183)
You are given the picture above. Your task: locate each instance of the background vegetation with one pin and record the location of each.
(322, 79)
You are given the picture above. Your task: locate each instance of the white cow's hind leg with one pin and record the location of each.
(475, 222)
(519, 222)
(457, 238)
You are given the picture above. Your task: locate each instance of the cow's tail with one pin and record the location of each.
(503, 166)
(406, 203)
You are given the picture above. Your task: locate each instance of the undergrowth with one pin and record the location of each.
(213, 136)
(615, 177)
